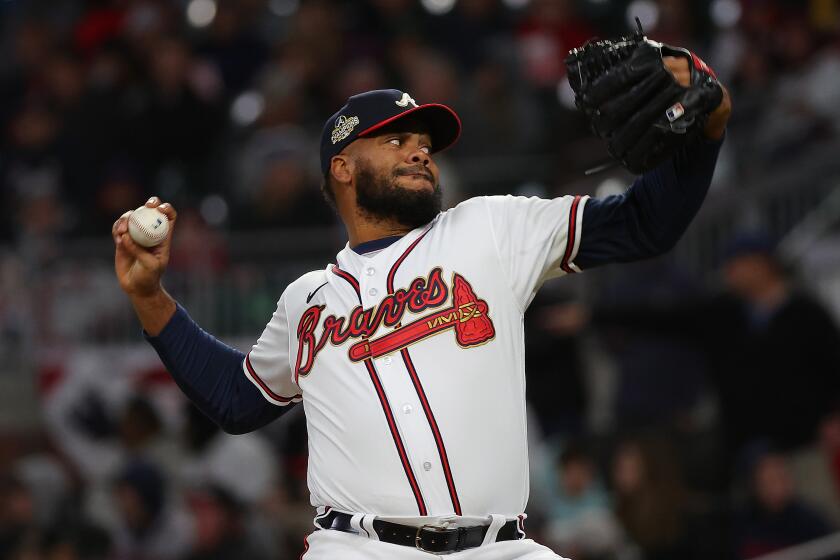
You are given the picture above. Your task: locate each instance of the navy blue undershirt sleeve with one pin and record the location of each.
(210, 373)
(650, 217)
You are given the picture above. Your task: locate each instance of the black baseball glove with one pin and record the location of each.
(633, 101)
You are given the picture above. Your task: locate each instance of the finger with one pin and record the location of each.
(120, 224)
(146, 258)
(169, 211)
(130, 247)
(153, 202)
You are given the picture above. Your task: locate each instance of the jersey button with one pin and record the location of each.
(373, 291)
(407, 408)
(427, 466)
(387, 360)
(370, 271)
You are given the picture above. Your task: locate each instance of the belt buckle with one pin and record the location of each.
(440, 528)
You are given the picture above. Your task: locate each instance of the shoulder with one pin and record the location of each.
(469, 206)
(481, 207)
(306, 282)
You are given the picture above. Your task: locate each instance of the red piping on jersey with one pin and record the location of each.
(444, 460)
(383, 399)
(386, 407)
(390, 281)
(305, 547)
(352, 281)
(421, 394)
(253, 375)
(570, 238)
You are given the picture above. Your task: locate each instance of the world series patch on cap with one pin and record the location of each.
(365, 113)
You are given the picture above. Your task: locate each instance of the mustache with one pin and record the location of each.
(417, 170)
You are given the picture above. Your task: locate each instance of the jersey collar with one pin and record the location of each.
(375, 244)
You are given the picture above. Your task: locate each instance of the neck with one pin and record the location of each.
(362, 228)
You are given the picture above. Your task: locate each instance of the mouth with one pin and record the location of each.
(422, 176)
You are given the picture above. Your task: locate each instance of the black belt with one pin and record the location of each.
(428, 538)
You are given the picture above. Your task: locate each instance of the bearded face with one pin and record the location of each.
(380, 195)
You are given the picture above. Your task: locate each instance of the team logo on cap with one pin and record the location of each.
(405, 101)
(343, 127)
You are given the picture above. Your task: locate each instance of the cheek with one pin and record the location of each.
(435, 171)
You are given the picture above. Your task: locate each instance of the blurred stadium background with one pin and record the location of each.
(684, 408)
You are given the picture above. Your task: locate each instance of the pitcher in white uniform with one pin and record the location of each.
(408, 352)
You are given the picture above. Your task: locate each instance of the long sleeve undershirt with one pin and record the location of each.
(210, 373)
(650, 217)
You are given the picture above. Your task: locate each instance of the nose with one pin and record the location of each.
(417, 155)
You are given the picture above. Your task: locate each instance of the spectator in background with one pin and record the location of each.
(770, 346)
(100, 437)
(804, 97)
(650, 499)
(178, 122)
(244, 465)
(18, 527)
(276, 186)
(816, 470)
(31, 182)
(550, 30)
(557, 391)
(497, 108)
(198, 248)
(830, 445)
(76, 540)
(222, 528)
(779, 349)
(150, 526)
(580, 521)
(775, 517)
(233, 47)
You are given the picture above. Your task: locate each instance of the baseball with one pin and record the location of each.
(148, 226)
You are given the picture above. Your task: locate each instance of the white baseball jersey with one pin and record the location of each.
(410, 360)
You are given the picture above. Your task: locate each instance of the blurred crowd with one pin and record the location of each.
(686, 421)
(218, 105)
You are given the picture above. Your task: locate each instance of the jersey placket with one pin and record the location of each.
(407, 409)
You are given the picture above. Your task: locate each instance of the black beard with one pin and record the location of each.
(382, 199)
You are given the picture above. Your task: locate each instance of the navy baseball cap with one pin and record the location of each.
(365, 113)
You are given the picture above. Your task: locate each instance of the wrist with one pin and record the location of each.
(141, 293)
(716, 123)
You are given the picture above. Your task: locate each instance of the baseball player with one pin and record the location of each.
(407, 352)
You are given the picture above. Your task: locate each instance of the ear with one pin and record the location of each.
(341, 168)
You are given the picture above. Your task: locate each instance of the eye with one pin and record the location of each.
(426, 150)
(394, 141)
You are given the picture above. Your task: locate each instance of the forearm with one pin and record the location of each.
(210, 373)
(672, 194)
(154, 311)
(650, 217)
